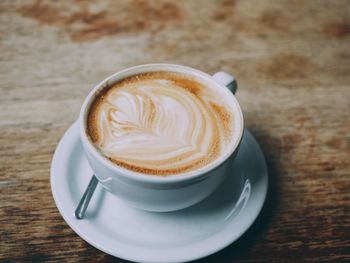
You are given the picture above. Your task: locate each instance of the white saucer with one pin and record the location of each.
(189, 234)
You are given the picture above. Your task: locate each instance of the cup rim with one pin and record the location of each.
(146, 178)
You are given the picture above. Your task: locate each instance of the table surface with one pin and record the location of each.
(292, 62)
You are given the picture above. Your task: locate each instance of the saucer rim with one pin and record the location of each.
(127, 255)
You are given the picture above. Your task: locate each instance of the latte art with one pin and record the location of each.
(160, 123)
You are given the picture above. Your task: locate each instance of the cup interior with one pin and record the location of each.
(195, 174)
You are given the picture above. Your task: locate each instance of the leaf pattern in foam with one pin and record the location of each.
(149, 125)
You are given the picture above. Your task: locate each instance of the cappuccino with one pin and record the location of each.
(161, 123)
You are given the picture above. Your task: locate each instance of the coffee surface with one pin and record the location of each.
(160, 123)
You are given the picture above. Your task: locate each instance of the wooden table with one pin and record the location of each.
(292, 62)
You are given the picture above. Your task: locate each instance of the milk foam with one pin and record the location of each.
(160, 123)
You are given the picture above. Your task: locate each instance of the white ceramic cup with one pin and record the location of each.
(154, 193)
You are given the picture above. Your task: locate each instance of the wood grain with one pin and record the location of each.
(292, 62)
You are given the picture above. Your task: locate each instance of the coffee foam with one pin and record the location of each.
(160, 123)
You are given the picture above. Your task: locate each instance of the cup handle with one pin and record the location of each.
(227, 80)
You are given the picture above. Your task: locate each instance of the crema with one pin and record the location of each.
(160, 123)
